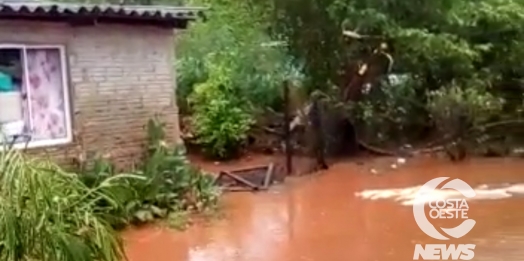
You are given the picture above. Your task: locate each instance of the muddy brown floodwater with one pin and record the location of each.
(326, 217)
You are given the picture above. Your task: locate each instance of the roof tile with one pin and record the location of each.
(129, 11)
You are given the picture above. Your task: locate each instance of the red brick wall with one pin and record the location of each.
(119, 77)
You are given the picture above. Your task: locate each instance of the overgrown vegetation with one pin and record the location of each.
(229, 72)
(233, 40)
(220, 115)
(457, 61)
(165, 185)
(47, 213)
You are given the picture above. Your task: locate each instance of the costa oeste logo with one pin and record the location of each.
(443, 208)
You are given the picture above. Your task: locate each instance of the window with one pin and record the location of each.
(34, 98)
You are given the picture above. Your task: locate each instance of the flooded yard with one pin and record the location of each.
(348, 213)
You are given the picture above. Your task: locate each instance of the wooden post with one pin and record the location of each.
(287, 131)
(319, 146)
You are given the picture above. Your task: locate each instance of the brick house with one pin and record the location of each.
(84, 79)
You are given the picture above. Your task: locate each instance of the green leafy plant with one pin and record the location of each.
(391, 113)
(221, 118)
(171, 183)
(167, 184)
(49, 214)
(234, 33)
(455, 106)
(172, 186)
(121, 191)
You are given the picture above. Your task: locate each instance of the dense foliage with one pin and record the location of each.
(233, 38)
(229, 72)
(459, 61)
(456, 56)
(220, 118)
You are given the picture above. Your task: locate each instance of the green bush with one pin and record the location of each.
(454, 106)
(221, 118)
(235, 34)
(173, 185)
(391, 113)
(166, 185)
(48, 214)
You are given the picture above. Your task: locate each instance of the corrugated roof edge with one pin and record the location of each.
(166, 15)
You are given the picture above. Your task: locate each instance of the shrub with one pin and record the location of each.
(221, 119)
(168, 184)
(171, 184)
(391, 112)
(235, 33)
(48, 214)
(454, 107)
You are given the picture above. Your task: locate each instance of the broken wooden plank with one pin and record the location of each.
(239, 179)
(251, 178)
(269, 176)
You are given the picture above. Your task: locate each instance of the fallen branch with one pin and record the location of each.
(432, 147)
(375, 150)
(497, 124)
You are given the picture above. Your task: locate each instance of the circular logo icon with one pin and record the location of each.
(426, 194)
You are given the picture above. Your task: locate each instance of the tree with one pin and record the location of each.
(444, 47)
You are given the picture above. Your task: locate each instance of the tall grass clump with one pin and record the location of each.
(49, 214)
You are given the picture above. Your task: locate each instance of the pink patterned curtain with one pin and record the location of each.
(45, 94)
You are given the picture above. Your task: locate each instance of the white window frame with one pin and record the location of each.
(65, 85)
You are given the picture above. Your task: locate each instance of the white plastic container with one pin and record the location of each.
(13, 128)
(10, 107)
